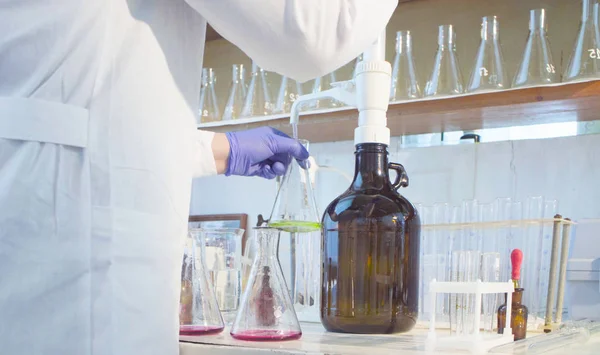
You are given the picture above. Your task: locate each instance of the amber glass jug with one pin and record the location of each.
(370, 254)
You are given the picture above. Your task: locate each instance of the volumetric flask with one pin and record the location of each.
(258, 101)
(209, 108)
(295, 208)
(266, 312)
(584, 62)
(321, 84)
(224, 266)
(198, 308)
(288, 93)
(405, 84)
(488, 71)
(446, 77)
(537, 66)
(237, 93)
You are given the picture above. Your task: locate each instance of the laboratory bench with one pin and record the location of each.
(316, 341)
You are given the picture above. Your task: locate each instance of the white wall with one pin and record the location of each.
(567, 169)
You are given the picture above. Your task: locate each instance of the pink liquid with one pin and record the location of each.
(267, 335)
(199, 330)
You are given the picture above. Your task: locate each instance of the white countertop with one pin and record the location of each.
(316, 341)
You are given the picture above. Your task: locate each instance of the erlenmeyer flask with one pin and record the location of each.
(537, 66)
(258, 101)
(584, 62)
(405, 85)
(356, 62)
(446, 77)
(209, 108)
(288, 92)
(266, 312)
(321, 84)
(295, 208)
(488, 71)
(237, 93)
(198, 309)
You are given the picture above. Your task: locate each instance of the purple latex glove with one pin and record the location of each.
(264, 152)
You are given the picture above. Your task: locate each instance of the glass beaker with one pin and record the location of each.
(266, 312)
(289, 91)
(258, 101)
(198, 308)
(295, 208)
(405, 84)
(209, 108)
(446, 77)
(321, 84)
(224, 264)
(237, 93)
(584, 62)
(537, 66)
(488, 71)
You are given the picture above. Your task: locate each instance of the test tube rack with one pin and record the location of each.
(544, 241)
(476, 343)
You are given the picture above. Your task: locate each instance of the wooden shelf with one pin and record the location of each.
(515, 107)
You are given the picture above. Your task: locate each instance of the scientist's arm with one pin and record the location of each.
(302, 39)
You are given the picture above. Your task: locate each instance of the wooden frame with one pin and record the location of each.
(222, 221)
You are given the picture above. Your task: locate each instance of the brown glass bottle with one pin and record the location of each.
(370, 251)
(518, 321)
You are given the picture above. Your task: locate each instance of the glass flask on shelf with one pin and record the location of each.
(321, 84)
(209, 107)
(446, 77)
(488, 71)
(198, 309)
(370, 252)
(289, 91)
(295, 208)
(237, 93)
(405, 84)
(356, 62)
(266, 312)
(585, 58)
(537, 66)
(258, 101)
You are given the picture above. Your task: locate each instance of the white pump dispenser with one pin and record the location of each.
(368, 92)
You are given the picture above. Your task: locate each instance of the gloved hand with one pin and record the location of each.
(264, 152)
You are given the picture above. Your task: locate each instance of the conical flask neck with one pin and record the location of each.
(446, 36)
(403, 42)
(371, 167)
(587, 10)
(537, 20)
(490, 28)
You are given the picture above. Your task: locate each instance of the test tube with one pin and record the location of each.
(490, 272)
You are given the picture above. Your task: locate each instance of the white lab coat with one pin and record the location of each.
(98, 148)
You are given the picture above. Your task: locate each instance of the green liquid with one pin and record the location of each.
(296, 226)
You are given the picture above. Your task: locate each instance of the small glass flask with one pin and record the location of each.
(488, 71)
(289, 91)
(266, 312)
(405, 84)
(258, 101)
(237, 93)
(537, 66)
(446, 77)
(209, 107)
(585, 58)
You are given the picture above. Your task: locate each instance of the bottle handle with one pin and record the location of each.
(401, 176)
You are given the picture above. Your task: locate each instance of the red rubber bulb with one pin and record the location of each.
(516, 259)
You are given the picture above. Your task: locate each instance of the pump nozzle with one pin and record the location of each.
(368, 92)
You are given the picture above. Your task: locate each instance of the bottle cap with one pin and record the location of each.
(516, 259)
